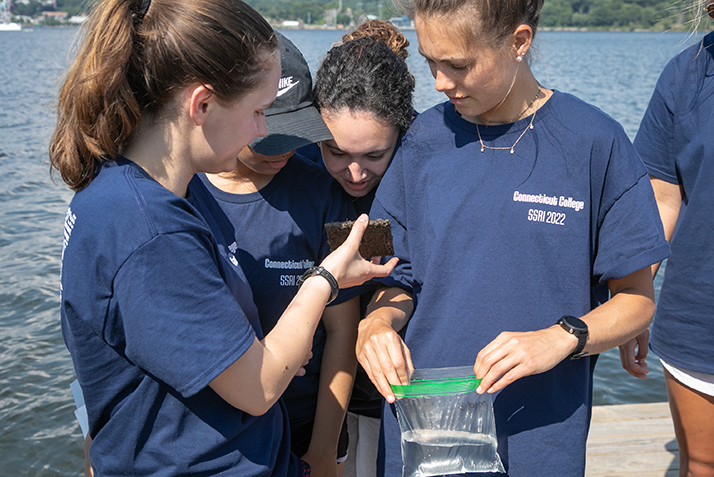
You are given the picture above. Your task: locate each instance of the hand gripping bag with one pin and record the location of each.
(446, 426)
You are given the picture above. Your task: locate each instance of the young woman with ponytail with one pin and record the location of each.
(157, 315)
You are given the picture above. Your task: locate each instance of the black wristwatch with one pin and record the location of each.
(578, 328)
(324, 273)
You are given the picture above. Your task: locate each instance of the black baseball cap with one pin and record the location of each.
(292, 120)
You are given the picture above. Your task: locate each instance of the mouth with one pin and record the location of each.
(277, 165)
(357, 186)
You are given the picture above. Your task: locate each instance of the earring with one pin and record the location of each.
(519, 58)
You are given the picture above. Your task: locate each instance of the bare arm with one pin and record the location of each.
(512, 356)
(669, 202)
(88, 471)
(255, 381)
(337, 375)
(633, 354)
(380, 350)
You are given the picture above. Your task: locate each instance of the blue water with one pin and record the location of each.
(614, 71)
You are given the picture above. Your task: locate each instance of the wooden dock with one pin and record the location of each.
(632, 440)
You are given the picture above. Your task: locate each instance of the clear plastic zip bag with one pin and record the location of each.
(446, 426)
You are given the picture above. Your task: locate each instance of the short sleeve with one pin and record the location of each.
(655, 137)
(178, 317)
(390, 204)
(628, 230)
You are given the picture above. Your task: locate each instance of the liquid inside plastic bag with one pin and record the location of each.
(447, 428)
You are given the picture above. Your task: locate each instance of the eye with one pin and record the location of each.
(335, 153)
(260, 112)
(459, 67)
(376, 156)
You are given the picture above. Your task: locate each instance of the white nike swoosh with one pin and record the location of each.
(286, 89)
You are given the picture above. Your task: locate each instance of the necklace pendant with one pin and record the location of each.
(511, 150)
(530, 126)
(483, 148)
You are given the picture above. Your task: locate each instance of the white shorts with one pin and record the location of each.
(704, 383)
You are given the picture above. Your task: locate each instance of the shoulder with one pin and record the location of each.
(568, 113)
(422, 122)
(688, 76)
(124, 200)
(432, 128)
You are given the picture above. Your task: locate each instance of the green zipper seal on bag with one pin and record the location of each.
(436, 387)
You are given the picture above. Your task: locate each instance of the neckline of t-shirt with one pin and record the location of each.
(274, 184)
(500, 130)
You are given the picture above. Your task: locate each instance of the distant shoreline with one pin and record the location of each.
(549, 29)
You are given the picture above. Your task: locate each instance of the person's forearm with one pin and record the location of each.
(380, 349)
(337, 374)
(624, 316)
(266, 369)
(391, 306)
(669, 203)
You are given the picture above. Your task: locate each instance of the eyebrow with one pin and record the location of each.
(335, 148)
(447, 60)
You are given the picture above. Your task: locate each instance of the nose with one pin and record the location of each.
(261, 129)
(442, 82)
(355, 173)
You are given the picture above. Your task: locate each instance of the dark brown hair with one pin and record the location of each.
(490, 21)
(368, 73)
(134, 58)
(383, 31)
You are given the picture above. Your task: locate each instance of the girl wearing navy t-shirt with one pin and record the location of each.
(363, 90)
(675, 143)
(157, 315)
(516, 211)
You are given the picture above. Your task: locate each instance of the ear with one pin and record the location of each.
(522, 38)
(200, 103)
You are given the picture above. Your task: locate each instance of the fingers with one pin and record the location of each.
(634, 364)
(493, 362)
(386, 269)
(643, 340)
(387, 360)
(512, 356)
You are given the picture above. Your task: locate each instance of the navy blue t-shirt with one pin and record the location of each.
(492, 241)
(675, 141)
(278, 234)
(152, 311)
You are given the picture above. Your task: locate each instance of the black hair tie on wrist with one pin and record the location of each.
(139, 15)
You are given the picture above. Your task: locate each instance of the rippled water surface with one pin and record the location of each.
(614, 71)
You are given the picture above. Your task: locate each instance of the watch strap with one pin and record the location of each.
(580, 332)
(324, 273)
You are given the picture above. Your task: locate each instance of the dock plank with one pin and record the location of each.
(632, 440)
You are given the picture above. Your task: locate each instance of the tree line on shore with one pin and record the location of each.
(589, 14)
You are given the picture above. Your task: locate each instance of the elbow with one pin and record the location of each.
(258, 409)
(255, 406)
(649, 312)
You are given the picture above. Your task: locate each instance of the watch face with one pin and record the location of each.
(576, 324)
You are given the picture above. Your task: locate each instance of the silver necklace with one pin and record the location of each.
(530, 126)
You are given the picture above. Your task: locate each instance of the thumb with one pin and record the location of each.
(358, 228)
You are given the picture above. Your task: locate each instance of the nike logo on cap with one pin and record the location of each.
(286, 84)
